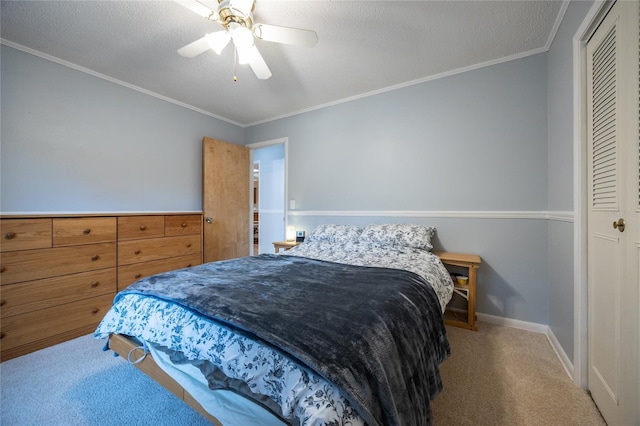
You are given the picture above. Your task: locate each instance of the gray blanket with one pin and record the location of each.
(377, 333)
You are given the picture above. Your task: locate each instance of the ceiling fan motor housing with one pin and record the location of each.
(228, 13)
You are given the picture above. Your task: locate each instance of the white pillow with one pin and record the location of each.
(335, 233)
(399, 234)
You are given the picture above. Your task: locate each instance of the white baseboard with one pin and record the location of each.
(562, 355)
(514, 323)
(538, 328)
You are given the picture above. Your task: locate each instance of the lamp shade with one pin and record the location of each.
(291, 233)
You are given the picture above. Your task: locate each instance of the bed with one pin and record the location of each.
(344, 329)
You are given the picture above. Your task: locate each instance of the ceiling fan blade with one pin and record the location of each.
(195, 48)
(211, 4)
(286, 35)
(200, 8)
(259, 66)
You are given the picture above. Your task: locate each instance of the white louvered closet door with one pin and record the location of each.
(613, 97)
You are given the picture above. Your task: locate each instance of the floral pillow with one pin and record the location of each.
(335, 233)
(399, 234)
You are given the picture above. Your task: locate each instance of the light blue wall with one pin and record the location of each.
(494, 139)
(560, 191)
(73, 142)
(473, 142)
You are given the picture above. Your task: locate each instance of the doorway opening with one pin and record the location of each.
(256, 210)
(269, 194)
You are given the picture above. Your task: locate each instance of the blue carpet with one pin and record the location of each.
(76, 383)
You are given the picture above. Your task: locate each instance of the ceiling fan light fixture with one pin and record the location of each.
(242, 36)
(218, 41)
(236, 16)
(243, 40)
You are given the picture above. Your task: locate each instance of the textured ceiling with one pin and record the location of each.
(364, 47)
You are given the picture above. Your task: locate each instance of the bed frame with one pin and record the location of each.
(122, 345)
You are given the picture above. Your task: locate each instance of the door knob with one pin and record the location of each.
(619, 225)
(209, 219)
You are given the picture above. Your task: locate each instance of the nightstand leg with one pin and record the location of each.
(472, 299)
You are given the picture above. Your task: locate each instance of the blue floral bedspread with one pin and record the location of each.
(327, 343)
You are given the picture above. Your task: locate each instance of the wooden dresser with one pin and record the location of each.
(148, 245)
(59, 274)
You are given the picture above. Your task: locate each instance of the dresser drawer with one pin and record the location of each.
(30, 327)
(131, 273)
(32, 265)
(25, 234)
(182, 225)
(135, 227)
(157, 248)
(30, 296)
(84, 230)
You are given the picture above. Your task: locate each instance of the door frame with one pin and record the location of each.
(272, 142)
(580, 197)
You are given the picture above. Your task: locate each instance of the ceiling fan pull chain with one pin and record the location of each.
(235, 63)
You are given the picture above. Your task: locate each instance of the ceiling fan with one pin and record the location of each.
(236, 17)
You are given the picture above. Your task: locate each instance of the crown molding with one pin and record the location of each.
(112, 80)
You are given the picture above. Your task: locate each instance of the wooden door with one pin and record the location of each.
(612, 129)
(226, 180)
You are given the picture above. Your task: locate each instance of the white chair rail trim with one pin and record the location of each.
(561, 216)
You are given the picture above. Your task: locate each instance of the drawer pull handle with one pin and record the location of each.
(189, 266)
(136, 252)
(2, 335)
(188, 244)
(142, 227)
(138, 276)
(2, 268)
(95, 311)
(95, 257)
(9, 235)
(86, 231)
(3, 302)
(184, 225)
(95, 284)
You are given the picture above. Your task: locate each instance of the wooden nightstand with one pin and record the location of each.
(471, 262)
(277, 245)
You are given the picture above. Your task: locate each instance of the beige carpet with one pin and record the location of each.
(505, 376)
